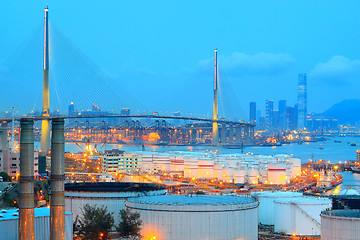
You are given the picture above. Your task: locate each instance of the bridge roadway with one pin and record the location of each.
(39, 118)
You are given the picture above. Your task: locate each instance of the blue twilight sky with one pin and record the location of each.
(161, 52)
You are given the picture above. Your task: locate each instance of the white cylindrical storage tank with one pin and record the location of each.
(179, 217)
(162, 162)
(176, 163)
(190, 168)
(228, 174)
(277, 173)
(253, 175)
(218, 170)
(295, 167)
(300, 216)
(340, 224)
(266, 204)
(109, 194)
(206, 168)
(239, 176)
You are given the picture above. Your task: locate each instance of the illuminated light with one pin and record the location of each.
(221, 182)
(224, 175)
(271, 182)
(266, 182)
(294, 234)
(336, 167)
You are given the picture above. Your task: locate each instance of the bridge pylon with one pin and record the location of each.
(215, 126)
(45, 124)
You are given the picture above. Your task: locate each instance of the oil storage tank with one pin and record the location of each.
(300, 216)
(266, 204)
(109, 194)
(340, 224)
(214, 217)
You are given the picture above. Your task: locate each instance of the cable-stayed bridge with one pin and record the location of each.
(64, 66)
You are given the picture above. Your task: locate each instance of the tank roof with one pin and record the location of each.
(112, 187)
(14, 213)
(193, 200)
(349, 191)
(277, 194)
(352, 213)
(306, 200)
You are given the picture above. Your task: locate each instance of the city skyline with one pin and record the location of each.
(273, 65)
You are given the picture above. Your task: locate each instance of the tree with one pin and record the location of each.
(130, 224)
(96, 222)
(6, 177)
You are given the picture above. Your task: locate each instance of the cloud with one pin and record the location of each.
(241, 64)
(337, 71)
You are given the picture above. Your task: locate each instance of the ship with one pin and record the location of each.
(328, 184)
(353, 144)
(355, 169)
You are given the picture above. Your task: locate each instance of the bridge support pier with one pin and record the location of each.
(26, 199)
(246, 134)
(231, 134)
(223, 134)
(238, 134)
(252, 134)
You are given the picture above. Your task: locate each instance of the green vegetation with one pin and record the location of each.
(5, 176)
(96, 223)
(130, 224)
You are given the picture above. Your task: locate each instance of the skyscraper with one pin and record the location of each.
(252, 111)
(71, 109)
(269, 109)
(282, 114)
(302, 100)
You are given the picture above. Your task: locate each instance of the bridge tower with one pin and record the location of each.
(45, 125)
(215, 126)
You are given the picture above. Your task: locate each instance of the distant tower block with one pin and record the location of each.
(45, 125)
(215, 127)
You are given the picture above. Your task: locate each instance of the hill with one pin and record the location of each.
(346, 111)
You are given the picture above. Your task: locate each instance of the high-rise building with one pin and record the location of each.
(302, 100)
(71, 109)
(125, 111)
(269, 109)
(291, 118)
(282, 114)
(252, 111)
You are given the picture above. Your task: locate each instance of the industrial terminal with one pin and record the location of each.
(144, 175)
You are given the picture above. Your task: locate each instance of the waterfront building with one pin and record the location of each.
(269, 109)
(302, 100)
(116, 161)
(252, 112)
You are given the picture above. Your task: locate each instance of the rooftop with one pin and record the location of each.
(8, 214)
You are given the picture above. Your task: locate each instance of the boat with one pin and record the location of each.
(337, 141)
(328, 183)
(321, 147)
(355, 169)
(353, 144)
